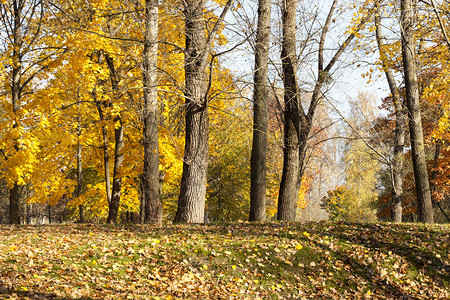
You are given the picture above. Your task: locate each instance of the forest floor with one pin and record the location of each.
(229, 261)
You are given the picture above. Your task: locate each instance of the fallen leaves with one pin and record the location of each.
(313, 260)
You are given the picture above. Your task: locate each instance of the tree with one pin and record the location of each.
(191, 202)
(28, 51)
(335, 203)
(260, 118)
(113, 211)
(413, 105)
(151, 181)
(362, 163)
(400, 122)
(297, 120)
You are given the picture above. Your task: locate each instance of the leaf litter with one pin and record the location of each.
(227, 261)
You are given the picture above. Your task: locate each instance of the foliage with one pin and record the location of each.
(335, 203)
(361, 181)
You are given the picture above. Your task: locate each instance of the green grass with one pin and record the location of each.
(238, 260)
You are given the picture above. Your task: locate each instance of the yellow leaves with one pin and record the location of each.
(154, 242)
(305, 233)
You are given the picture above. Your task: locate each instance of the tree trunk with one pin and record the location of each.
(260, 99)
(290, 180)
(296, 120)
(397, 164)
(118, 150)
(191, 202)
(415, 119)
(106, 175)
(79, 172)
(399, 132)
(14, 193)
(100, 105)
(14, 197)
(151, 192)
(117, 177)
(142, 200)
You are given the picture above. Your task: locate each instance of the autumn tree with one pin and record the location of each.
(151, 181)
(362, 164)
(335, 203)
(28, 51)
(191, 202)
(297, 119)
(400, 122)
(260, 118)
(415, 120)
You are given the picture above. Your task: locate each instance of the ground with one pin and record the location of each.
(228, 261)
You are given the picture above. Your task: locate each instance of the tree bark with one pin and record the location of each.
(191, 202)
(100, 105)
(106, 174)
(296, 120)
(399, 131)
(14, 193)
(290, 180)
(260, 99)
(106, 161)
(79, 171)
(14, 198)
(414, 114)
(117, 177)
(151, 191)
(118, 150)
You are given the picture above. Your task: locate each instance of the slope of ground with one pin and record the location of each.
(229, 261)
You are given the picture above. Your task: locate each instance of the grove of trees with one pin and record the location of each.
(192, 111)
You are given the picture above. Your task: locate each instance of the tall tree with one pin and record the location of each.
(16, 91)
(400, 123)
(260, 119)
(414, 114)
(191, 202)
(151, 185)
(25, 57)
(113, 211)
(291, 178)
(79, 188)
(297, 120)
(102, 106)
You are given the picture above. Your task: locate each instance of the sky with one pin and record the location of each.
(347, 77)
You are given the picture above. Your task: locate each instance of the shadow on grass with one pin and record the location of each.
(36, 295)
(366, 272)
(387, 240)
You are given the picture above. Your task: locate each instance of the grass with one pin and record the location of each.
(229, 261)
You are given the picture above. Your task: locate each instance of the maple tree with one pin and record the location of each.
(28, 51)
